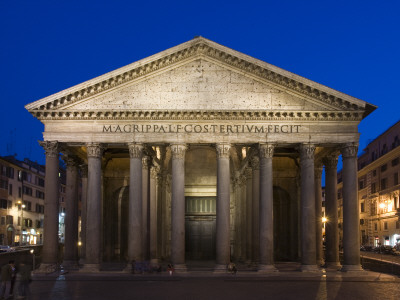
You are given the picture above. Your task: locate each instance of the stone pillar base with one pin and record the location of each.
(310, 268)
(46, 268)
(352, 268)
(333, 266)
(219, 268)
(90, 268)
(320, 262)
(180, 268)
(266, 269)
(70, 265)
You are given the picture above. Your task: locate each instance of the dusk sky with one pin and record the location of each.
(48, 46)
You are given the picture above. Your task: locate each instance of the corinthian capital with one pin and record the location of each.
(94, 150)
(331, 161)
(135, 150)
(255, 162)
(349, 150)
(51, 148)
(266, 150)
(223, 150)
(178, 151)
(307, 151)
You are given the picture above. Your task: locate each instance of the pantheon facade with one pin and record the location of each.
(201, 152)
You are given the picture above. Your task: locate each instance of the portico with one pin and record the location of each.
(204, 152)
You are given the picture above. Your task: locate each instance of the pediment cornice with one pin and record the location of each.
(177, 115)
(198, 47)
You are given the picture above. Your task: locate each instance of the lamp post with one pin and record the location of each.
(22, 219)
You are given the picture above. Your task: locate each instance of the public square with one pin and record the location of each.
(203, 284)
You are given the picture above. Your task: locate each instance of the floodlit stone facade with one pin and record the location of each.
(202, 152)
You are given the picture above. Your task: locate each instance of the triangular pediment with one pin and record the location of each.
(200, 84)
(199, 75)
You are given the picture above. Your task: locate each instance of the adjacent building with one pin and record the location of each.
(22, 194)
(379, 189)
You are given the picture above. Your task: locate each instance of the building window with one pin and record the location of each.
(28, 205)
(384, 168)
(3, 184)
(40, 181)
(361, 184)
(385, 225)
(10, 189)
(396, 178)
(395, 162)
(27, 190)
(384, 183)
(39, 194)
(3, 221)
(9, 220)
(4, 203)
(374, 173)
(362, 207)
(384, 149)
(376, 226)
(373, 188)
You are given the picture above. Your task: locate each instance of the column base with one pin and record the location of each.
(320, 262)
(180, 268)
(70, 265)
(310, 268)
(220, 268)
(90, 268)
(266, 269)
(46, 268)
(352, 268)
(333, 266)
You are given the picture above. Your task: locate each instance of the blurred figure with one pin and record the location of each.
(6, 277)
(24, 278)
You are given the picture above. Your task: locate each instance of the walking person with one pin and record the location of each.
(6, 277)
(24, 278)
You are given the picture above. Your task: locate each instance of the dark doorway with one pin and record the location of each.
(200, 226)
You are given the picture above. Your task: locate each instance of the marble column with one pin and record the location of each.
(243, 215)
(135, 222)
(94, 197)
(178, 207)
(165, 215)
(255, 164)
(351, 215)
(331, 213)
(51, 210)
(318, 214)
(71, 215)
(223, 208)
(266, 209)
(249, 214)
(145, 206)
(84, 177)
(153, 215)
(307, 204)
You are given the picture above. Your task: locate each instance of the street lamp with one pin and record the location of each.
(22, 219)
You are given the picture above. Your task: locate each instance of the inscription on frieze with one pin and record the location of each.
(201, 128)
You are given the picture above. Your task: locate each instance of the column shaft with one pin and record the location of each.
(84, 175)
(93, 226)
(255, 164)
(178, 207)
(318, 214)
(351, 217)
(331, 212)
(153, 215)
(135, 222)
(146, 207)
(266, 209)
(223, 207)
(51, 213)
(71, 215)
(249, 214)
(307, 203)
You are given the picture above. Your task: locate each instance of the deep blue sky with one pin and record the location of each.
(48, 46)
